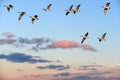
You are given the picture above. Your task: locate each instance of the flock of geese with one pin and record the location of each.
(69, 10)
(85, 36)
(21, 14)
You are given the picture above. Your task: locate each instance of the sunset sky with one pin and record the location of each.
(51, 49)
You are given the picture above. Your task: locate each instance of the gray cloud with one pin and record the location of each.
(54, 67)
(85, 77)
(7, 41)
(19, 70)
(22, 58)
(90, 67)
(39, 41)
(62, 74)
(37, 44)
(98, 73)
(8, 34)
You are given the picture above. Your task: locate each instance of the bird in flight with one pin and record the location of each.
(102, 37)
(69, 10)
(21, 14)
(48, 7)
(84, 37)
(33, 18)
(106, 7)
(77, 9)
(9, 7)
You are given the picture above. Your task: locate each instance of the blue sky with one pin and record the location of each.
(56, 24)
(58, 28)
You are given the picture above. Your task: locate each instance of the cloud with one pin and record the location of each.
(69, 44)
(40, 43)
(62, 74)
(35, 75)
(19, 70)
(87, 47)
(35, 43)
(7, 41)
(33, 40)
(98, 73)
(86, 77)
(90, 67)
(55, 67)
(63, 44)
(24, 40)
(8, 34)
(22, 58)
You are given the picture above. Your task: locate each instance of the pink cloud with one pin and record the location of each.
(39, 42)
(87, 47)
(63, 44)
(8, 35)
(70, 44)
(7, 41)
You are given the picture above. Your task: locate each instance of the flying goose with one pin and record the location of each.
(84, 37)
(48, 7)
(77, 9)
(21, 14)
(69, 10)
(10, 6)
(33, 18)
(106, 7)
(102, 37)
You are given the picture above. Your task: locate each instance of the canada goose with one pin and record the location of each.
(21, 14)
(106, 7)
(102, 37)
(48, 7)
(77, 9)
(33, 18)
(84, 37)
(69, 10)
(9, 7)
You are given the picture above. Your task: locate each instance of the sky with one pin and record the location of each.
(51, 49)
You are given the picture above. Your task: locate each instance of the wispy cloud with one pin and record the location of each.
(62, 74)
(7, 41)
(90, 67)
(22, 58)
(54, 67)
(87, 47)
(8, 35)
(98, 72)
(19, 70)
(66, 44)
(105, 73)
(41, 43)
(33, 40)
(86, 77)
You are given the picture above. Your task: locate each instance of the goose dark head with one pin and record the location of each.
(11, 6)
(35, 16)
(108, 3)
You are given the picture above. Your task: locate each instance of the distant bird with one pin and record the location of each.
(84, 37)
(102, 37)
(33, 18)
(77, 9)
(9, 7)
(106, 7)
(21, 14)
(69, 10)
(48, 7)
